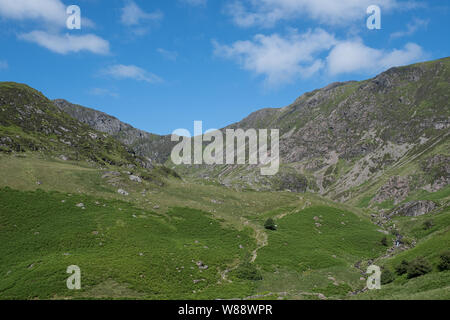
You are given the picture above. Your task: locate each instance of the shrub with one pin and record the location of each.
(387, 276)
(444, 264)
(248, 271)
(427, 225)
(418, 267)
(270, 224)
(406, 241)
(402, 268)
(384, 241)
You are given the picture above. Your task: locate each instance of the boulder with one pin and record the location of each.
(201, 265)
(135, 178)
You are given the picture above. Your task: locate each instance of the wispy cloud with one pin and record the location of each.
(266, 13)
(412, 28)
(282, 59)
(121, 72)
(51, 15)
(166, 54)
(50, 12)
(64, 44)
(137, 19)
(103, 92)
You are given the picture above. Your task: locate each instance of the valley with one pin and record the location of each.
(364, 179)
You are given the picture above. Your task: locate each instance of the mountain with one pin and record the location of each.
(154, 147)
(342, 139)
(364, 180)
(333, 140)
(31, 122)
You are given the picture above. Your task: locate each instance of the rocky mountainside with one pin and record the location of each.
(338, 139)
(31, 122)
(350, 141)
(151, 146)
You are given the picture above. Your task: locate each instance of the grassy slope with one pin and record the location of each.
(115, 268)
(314, 251)
(150, 255)
(301, 269)
(430, 244)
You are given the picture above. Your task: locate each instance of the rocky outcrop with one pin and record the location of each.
(437, 169)
(292, 182)
(396, 189)
(414, 209)
(154, 147)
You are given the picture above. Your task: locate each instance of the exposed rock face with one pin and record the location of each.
(292, 181)
(154, 147)
(414, 209)
(397, 189)
(438, 170)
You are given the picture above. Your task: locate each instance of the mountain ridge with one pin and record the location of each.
(333, 139)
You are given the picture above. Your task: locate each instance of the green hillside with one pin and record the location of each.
(364, 180)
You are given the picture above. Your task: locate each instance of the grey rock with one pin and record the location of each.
(414, 209)
(135, 178)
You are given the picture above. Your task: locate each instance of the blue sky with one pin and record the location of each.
(161, 64)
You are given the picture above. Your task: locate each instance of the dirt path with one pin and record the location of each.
(261, 237)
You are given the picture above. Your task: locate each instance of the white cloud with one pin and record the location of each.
(169, 55)
(195, 2)
(51, 16)
(415, 25)
(133, 15)
(49, 11)
(64, 44)
(120, 71)
(267, 13)
(3, 64)
(355, 57)
(280, 59)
